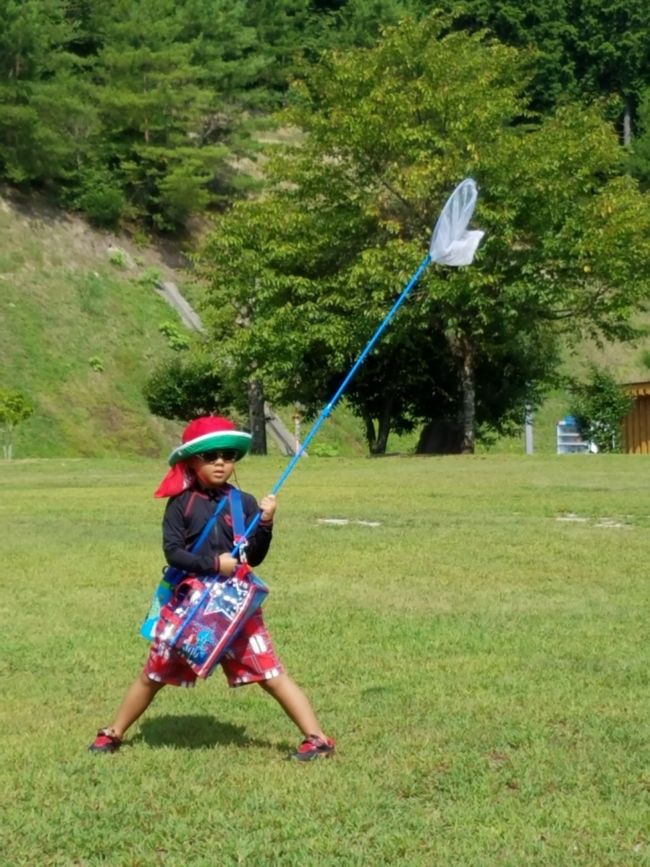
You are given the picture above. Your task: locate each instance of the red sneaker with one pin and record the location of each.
(105, 742)
(312, 748)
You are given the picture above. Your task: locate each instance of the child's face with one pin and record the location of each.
(214, 468)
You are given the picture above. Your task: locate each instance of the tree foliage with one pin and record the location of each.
(311, 267)
(144, 110)
(581, 49)
(141, 109)
(188, 386)
(640, 154)
(15, 408)
(46, 125)
(599, 407)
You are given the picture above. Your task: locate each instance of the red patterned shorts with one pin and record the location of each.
(250, 659)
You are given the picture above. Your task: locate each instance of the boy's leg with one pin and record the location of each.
(252, 659)
(162, 667)
(137, 699)
(295, 704)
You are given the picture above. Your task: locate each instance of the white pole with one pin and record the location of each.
(529, 430)
(296, 430)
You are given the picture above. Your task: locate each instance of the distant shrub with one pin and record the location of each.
(118, 258)
(599, 407)
(96, 363)
(15, 407)
(324, 451)
(141, 237)
(102, 201)
(182, 193)
(185, 387)
(176, 339)
(645, 358)
(150, 278)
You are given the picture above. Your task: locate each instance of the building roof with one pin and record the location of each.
(639, 389)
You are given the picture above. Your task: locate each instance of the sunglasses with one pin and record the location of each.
(226, 455)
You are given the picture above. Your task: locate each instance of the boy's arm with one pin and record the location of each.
(260, 540)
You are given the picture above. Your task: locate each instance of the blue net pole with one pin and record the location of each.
(332, 403)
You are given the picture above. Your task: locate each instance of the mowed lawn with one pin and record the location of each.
(475, 637)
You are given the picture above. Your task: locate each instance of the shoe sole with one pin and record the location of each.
(312, 758)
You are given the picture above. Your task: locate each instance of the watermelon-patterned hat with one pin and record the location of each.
(208, 433)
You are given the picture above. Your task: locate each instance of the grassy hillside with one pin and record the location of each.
(79, 321)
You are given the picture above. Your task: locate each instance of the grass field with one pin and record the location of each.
(481, 657)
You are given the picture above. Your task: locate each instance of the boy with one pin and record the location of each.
(200, 469)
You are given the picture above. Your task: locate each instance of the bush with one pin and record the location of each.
(118, 258)
(324, 450)
(177, 340)
(150, 278)
(182, 193)
(181, 389)
(15, 407)
(102, 201)
(599, 407)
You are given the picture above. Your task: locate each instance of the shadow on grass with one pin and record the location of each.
(198, 732)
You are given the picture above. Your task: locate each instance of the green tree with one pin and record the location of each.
(185, 387)
(640, 154)
(546, 28)
(284, 29)
(612, 51)
(151, 104)
(583, 49)
(15, 408)
(599, 407)
(359, 23)
(312, 266)
(140, 109)
(47, 124)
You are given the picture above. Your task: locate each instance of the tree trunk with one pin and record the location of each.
(627, 123)
(463, 351)
(257, 417)
(469, 401)
(370, 431)
(383, 427)
(378, 438)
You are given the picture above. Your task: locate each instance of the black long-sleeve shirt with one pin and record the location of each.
(187, 514)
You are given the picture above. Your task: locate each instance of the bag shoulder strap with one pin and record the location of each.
(237, 514)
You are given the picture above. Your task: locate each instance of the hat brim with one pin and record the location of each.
(237, 440)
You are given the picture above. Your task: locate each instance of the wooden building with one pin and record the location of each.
(636, 424)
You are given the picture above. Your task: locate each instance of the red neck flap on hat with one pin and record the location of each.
(179, 478)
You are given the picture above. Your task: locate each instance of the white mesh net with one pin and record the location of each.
(451, 243)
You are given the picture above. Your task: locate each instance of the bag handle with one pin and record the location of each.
(238, 523)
